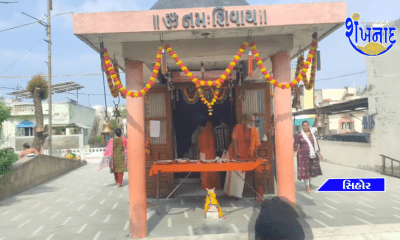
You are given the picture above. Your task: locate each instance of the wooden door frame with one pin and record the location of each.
(268, 188)
(167, 178)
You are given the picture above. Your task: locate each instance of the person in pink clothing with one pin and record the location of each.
(28, 150)
(115, 156)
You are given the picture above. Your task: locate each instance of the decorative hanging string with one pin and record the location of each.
(310, 60)
(200, 83)
(119, 85)
(148, 146)
(250, 64)
(113, 89)
(115, 65)
(164, 61)
(190, 100)
(310, 85)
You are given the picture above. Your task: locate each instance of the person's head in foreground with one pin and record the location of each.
(26, 146)
(118, 132)
(306, 126)
(278, 220)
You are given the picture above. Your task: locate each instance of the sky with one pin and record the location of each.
(23, 52)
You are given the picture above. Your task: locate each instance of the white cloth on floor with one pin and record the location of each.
(234, 185)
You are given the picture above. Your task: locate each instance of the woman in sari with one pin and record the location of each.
(308, 155)
(245, 141)
(207, 146)
(115, 156)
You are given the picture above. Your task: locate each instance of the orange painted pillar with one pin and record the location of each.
(283, 127)
(136, 151)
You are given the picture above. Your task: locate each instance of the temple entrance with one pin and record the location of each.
(189, 114)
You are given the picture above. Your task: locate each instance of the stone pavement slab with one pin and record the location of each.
(85, 204)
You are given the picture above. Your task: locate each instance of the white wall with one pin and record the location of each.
(350, 154)
(383, 79)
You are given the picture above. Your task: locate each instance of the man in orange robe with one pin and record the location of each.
(207, 146)
(245, 141)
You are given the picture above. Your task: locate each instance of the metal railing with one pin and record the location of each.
(391, 166)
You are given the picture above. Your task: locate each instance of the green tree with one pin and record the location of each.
(5, 113)
(39, 89)
(7, 158)
(123, 111)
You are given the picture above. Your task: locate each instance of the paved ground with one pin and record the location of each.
(85, 204)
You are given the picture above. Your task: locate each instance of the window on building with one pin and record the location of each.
(347, 126)
(27, 131)
(302, 90)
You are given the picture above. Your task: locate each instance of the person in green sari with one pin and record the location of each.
(115, 156)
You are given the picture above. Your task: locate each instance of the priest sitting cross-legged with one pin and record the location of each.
(207, 146)
(245, 141)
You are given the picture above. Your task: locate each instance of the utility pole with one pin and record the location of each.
(49, 8)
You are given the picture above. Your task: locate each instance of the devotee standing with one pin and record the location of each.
(115, 156)
(207, 146)
(28, 150)
(308, 155)
(245, 141)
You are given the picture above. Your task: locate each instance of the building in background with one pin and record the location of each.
(383, 117)
(351, 122)
(68, 119)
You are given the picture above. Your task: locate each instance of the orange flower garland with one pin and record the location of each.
(269, 78)
(117, 71)
(310, 85)
(200, 83)
(113, 89)
(109, 67)
(193, 99)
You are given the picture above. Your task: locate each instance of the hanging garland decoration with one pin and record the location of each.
(270, 93)
(300, 62)
(109, 67)
(222, 96)
(115, 65)
(190, 100)
(148, 126)
(113, 89)
(250, 64)
(163, 61)
(310, 85)
(310, 59)
(201, 83)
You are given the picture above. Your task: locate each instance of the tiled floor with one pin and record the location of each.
(85, 204)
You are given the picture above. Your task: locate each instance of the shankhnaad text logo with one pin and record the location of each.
(374, 41)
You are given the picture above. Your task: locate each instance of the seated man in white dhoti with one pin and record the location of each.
(245, 141)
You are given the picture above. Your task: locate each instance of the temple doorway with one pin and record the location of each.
(190, 113)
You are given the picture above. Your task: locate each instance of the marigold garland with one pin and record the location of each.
(200, 83)
(115, 65)
(193, 99)
(310, 60)
(112, 73)
(109, 67)
(113, 89)
(148, 146)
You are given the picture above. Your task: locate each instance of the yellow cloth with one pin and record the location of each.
(212, 199)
